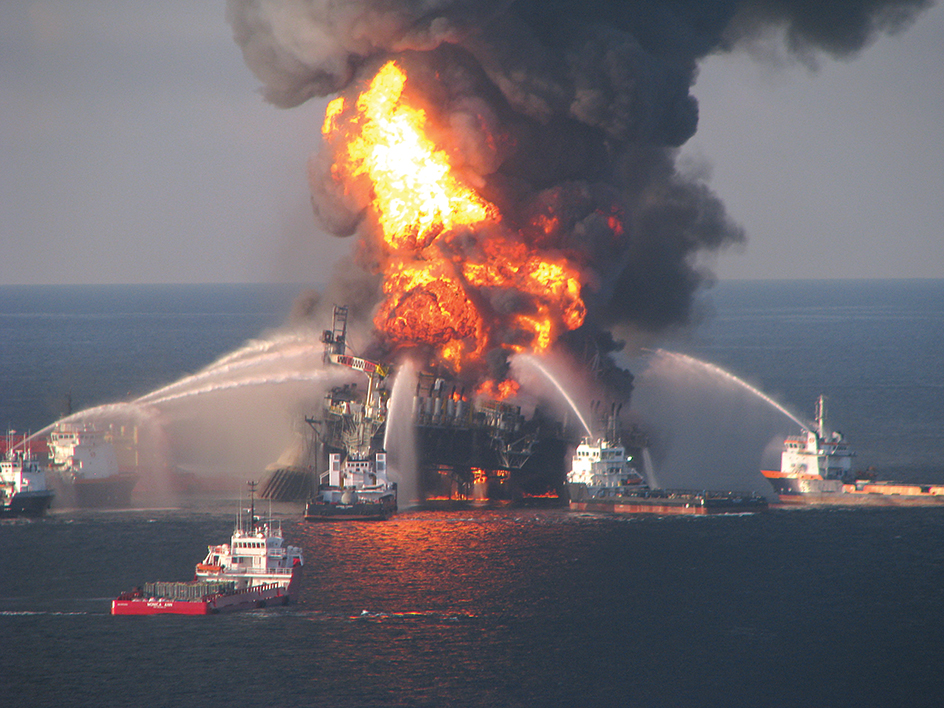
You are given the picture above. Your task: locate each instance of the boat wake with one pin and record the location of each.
(33, 613)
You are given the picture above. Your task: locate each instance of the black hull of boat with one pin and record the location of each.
(667, 502)
(30, 504)
(372, 511)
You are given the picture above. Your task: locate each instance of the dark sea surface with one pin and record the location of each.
(105, 343)
(874, 348)
(510, 607)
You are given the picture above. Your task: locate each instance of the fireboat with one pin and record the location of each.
(356, 485)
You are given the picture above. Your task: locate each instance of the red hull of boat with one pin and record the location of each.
(260, 596)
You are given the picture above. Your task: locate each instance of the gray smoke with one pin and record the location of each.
(566, 107)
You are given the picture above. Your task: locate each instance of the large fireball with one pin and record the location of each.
(442, 293)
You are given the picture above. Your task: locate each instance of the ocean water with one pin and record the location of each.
(101, 344)
(817, 607)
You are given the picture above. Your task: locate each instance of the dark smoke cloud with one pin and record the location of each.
(570, 107)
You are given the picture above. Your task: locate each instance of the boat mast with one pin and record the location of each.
(252, 505)
(821, 416)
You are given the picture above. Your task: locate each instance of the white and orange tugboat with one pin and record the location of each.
(604, 478)
(816, 469)
(255, 569)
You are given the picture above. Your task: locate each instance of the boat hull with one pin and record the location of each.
(359, 511)
(804, 491)
(31, 504)
(672, 502)
(255, 597)
(112, 492)
(861, 499)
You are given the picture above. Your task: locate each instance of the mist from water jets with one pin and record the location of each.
(649, 469)
(126, 413)
(708, 429)
(529, 360)
(226, 421)
(289, 352)
(152, 449)
(400, 436)
(241, 383)
(718, 371)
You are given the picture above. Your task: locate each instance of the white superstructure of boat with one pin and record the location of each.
(256, 555)
(84, 466)
(23, 490)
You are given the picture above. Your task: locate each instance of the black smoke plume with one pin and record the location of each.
(570, 107)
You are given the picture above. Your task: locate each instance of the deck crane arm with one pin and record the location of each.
(371, 368)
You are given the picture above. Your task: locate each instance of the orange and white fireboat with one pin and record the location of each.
(816, 469)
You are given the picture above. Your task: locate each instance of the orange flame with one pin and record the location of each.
(500, 390)
(416, 196)
(433, 295)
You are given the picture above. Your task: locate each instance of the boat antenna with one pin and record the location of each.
(252, 504)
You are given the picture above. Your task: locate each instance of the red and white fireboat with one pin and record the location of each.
(255, 569)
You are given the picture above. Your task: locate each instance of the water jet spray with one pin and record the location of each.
(692, 362)
(529, 359)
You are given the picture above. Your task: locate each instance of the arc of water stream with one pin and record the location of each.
(257, 353)
(257, 358)
(264, 380)
(529, 359)
(718, 371)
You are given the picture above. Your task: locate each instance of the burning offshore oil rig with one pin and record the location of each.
(509, 174)
(463, 286)
(467, 447)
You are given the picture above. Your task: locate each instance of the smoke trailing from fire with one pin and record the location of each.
(564, 114)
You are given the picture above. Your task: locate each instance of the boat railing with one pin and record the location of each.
(266, 571)
(710, 494)
(677, 493)
(192, 591)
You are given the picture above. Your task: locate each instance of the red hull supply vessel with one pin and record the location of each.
(197, 597)
(816, 468)
(254, 570)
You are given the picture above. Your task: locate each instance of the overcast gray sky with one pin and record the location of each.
(137, 149)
